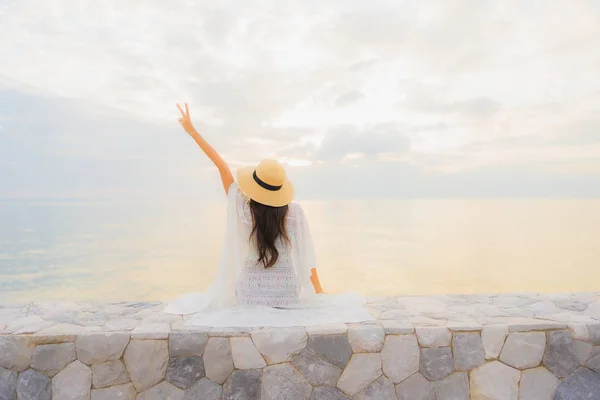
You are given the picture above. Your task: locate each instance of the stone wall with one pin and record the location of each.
(377, 360)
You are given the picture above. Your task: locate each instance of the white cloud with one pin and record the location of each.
(467, 85)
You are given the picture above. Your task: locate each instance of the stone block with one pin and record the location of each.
(49, 359)
(436, 363)
(468, 351)
(328, 393)
(452, 387)
(361, 371)
(283, 382)
(433, 336)
(279, 345)
(32, 385)
(119, 392)
(366, 338)
(316, 370)
(581, 384)
(334, 349)
(72, 383)
(8, 384)
(493, 339)
(524, 349)
(218, 361)
(537, 384)
(109, 373)
(98, 347)
(382, 388)
(495, 381)
(146, 361)
(559, 356)
(245, 354)
(16, 352)
(400, 347)
(416, 387)
(243, 385)
(183, 372)
(162, 391)
(204, 389)
(187, 344)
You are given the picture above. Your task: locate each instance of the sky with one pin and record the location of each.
(448, 98)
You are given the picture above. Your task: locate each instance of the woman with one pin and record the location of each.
(267, 262)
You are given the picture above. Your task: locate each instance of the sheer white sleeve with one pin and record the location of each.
(303, 250)
(243, 206)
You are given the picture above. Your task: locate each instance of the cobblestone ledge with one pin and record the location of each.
(513, 346)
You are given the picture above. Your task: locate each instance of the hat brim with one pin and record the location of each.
(273, 198)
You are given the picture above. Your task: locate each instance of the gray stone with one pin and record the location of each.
(559, 356)
(279, 345)
(594, 334)
(524, 349)
(367, 338)
(452, 387)
(32, 385)
(416, 387)
(537, 384)
(243, 385)
(60, 333)
(183, 372)
(204, 389)
(468, 351)
(245, 354)
(436, 363)
(581, 384)
(122, 324)
(8, 384)
(218, 361)
(146, 362)
(72, 383)
(119, 392)
(332, 348)
(327, 329)
(187, 344)
(151, 331)
(162, 391)
(328, 393)
(594, 363)
(109, 373)
(97, 347)
(16, 352)
(493, 340)
(433, 336)
(49, 359)
(582, 351)
(318, 371)
(400, 347)
(283, 382)
(382, 388)
(495, 381)
(361, 371)
(391, 327)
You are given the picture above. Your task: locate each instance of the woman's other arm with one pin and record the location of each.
(224, 170)
(314, 278)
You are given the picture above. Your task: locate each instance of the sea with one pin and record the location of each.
(112, 251)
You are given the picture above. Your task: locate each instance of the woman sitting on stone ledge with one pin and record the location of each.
(267, 273)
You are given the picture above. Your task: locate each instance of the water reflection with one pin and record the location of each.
(158, 251)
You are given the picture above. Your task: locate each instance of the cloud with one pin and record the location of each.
(444, 88)
(349, 98)
(379, 139)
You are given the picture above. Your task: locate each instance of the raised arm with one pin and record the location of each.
(224, 170)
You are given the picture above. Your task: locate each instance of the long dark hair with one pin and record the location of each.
(268, 223)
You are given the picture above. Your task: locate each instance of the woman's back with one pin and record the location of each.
(277, 285)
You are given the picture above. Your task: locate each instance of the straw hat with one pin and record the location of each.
(266, 183)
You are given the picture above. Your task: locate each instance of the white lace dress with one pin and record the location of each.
(278, 285)
(246, 294)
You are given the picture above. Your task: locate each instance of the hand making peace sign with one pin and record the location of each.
(186, 120)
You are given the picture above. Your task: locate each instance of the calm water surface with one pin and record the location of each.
(107, 251)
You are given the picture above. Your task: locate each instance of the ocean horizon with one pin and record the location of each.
(83, 250)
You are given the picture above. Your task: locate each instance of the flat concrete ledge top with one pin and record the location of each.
(398, 315)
